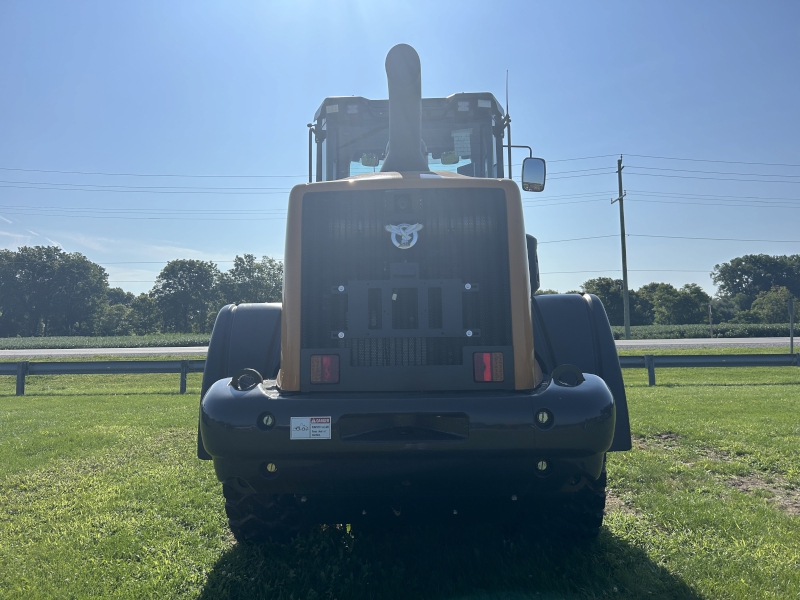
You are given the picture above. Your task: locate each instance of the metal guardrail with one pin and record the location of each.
(651, 361)
(184, 367)
(105, 367)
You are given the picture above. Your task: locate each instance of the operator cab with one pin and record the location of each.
(462, 133)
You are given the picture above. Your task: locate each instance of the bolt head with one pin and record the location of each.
(514, 498)
(303, 499)
(469, 333)
(455, 512)
(268, 420)
(542, 465)
(341, 288)
(341, 334)
(542, 417)
(467, 286)
(272, 467)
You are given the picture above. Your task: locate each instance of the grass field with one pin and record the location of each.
(101, 496)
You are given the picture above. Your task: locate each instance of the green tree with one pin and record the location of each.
(114, 319)
(724, 309)
(610, 292)
(144, 316)
(46, 291)
(250, 280)
(544, 292)
(119, 296)
(185, 293)
(770, 307)
(744, 277)
(684, 306)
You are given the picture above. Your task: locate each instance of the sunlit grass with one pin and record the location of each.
(101, 496)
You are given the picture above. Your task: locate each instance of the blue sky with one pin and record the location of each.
(221, 88)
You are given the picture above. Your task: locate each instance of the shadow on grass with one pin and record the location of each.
(441, 563)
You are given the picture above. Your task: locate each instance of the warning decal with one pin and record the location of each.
(310, 428)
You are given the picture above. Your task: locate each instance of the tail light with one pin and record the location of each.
(488, 366)
(325, 368)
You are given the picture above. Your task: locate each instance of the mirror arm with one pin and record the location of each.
(530, 150)
(311, 131)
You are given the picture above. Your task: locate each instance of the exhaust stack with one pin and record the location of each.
(403, 73)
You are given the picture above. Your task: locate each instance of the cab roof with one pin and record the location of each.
(465, 102)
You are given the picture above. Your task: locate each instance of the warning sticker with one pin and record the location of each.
(310, 428)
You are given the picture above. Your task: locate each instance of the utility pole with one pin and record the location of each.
(710, 321)
(791, 326)
(625, 296)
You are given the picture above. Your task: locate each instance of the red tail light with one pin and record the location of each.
(488, 366)
(325, 368)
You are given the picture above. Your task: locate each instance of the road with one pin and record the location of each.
(762, 342)
(195, 351)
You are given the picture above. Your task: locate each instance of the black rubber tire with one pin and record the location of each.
(259, 518)
(581, 514)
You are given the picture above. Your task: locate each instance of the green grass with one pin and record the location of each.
(101, 496)
(708, 350)
(721, 330)
(156, 340)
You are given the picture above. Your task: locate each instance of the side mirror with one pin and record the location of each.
(533, 174)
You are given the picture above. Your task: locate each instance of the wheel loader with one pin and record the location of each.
(410, 374)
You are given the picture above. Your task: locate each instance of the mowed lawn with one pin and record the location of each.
(101, 496)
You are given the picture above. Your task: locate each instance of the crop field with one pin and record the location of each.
(101, 496)
(155, 340)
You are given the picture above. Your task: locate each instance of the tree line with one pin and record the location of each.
(754, 288)
(45, 291)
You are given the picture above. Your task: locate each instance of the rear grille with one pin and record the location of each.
(405, 307)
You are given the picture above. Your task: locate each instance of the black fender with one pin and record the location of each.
(533, 262)
(245, 336)
(574, 329)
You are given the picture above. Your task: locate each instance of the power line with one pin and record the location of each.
(579, 171)
(587, 175)
(713, 178)
(582, 158)
(68, 209)
(133, 218)
(636, 270)
(147, 174)
(593, 237)
(683, 237)
(740, 204)
(143, 187)
(83, 189)
(712, 172)
(712, 195)
(728, 162)
(544, 204)
(676, 237)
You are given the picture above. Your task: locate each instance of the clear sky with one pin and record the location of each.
(226, 88)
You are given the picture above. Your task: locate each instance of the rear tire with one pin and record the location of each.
(580, 516)
(259, 518)
(571, 517)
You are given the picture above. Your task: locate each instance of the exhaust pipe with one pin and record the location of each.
(404, 151)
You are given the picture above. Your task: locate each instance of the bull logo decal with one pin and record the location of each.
(404, 235)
